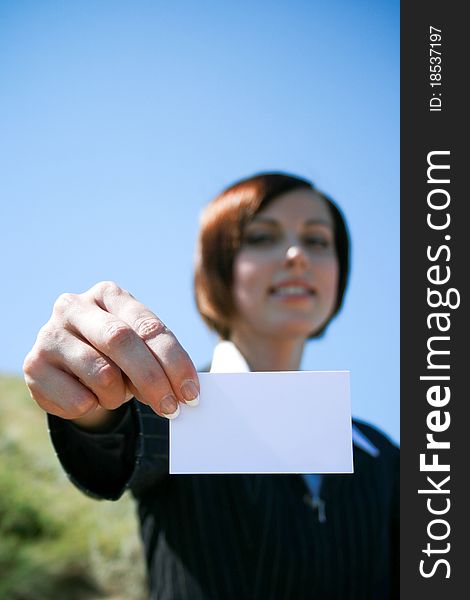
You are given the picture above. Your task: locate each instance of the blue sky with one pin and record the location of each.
(120, 120)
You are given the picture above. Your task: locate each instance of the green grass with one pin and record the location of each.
(55, 543)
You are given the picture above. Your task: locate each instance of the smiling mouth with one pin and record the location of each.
(291, 291)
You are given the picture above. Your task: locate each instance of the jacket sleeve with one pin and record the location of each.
(395, 531)
(134, 455)
(390, 474)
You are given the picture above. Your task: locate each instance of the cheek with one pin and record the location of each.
(250, 279)
(329, 274)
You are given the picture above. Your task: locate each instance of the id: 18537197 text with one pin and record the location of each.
(435, 68)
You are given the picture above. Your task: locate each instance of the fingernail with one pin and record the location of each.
(190, 393)
(169, 407)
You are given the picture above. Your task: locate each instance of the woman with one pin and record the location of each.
(271, 271)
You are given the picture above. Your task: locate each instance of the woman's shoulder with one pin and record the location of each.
(380, 440)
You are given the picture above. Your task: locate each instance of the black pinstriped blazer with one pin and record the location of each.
(245, 537)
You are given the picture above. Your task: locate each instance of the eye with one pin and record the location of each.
(317, 240)
(259, 238)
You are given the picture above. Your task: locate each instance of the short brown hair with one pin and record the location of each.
(220, 236)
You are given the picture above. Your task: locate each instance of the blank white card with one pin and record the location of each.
(276, 422)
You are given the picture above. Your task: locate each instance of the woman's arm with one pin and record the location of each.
(133, 455)
(100, 352)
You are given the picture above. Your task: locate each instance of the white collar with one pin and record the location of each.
(227, 358)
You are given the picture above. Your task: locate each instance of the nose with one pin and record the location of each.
(295, 257)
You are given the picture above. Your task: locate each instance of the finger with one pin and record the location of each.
(164, 345)
(117, 340)
(71, 354)
(95, 370)
(177, 365)
(59, 393)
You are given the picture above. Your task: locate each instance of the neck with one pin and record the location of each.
(269, 354)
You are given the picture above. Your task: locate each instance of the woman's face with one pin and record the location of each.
(286, 271)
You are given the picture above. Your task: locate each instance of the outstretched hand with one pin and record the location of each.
(99, 349)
